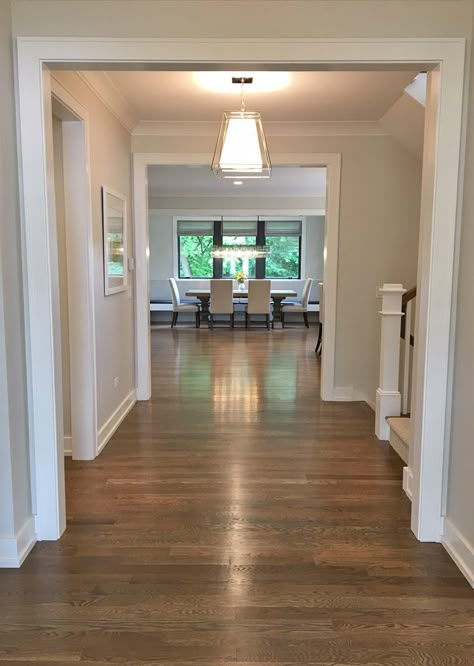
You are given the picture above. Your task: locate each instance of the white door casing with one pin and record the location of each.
(437, 248)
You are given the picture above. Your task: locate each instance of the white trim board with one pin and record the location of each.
(113, 422)
(439, 223)
(67, 445)
(141, 162)
(459, 549)
(13, 551)
(408, 482)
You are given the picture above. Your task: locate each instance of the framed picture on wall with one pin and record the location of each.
(114, 219)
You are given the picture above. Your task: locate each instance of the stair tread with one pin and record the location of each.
(401, 426)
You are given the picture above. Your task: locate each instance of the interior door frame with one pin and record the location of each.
(141, 162)
(439, 223)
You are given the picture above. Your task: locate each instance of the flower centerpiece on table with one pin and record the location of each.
(240, 277)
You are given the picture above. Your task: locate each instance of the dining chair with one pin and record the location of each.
(319, 344)
(182, 307)
(298, 306)
(222, 301)
(259, 301)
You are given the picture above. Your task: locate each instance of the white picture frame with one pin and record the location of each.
(115, 241)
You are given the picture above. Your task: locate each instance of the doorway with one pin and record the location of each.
(439, 220)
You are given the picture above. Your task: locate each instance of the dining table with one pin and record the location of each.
(277, 296)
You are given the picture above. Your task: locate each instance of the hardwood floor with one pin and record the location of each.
(236, 519)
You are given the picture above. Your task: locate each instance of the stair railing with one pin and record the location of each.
(408, 343)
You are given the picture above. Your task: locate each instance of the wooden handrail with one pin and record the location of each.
(408, 296)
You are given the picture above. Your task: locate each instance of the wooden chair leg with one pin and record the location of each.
(174, 320)
(211, 320)
(232, 320)
(198, 319)
(282, 319)
(318, 343)
(267, 317)
(246, 319)
(305, 317)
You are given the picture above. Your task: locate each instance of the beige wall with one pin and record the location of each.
(15, 494)
(378, 234)
(114, 315)
(235, 18)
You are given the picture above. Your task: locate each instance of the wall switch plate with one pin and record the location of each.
(116, 382)
(131, 263)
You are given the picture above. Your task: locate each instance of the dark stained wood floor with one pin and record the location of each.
(235, 519)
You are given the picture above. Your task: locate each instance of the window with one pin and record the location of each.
(195, 241)
(242, 232)
(196, 238)
(284, 240)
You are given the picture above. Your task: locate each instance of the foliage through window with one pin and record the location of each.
(195, 241)
(196, 238)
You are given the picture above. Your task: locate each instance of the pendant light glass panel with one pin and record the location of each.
(241, 150)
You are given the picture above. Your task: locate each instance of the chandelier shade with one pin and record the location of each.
(241, 150)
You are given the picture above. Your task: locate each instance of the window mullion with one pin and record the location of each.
(260, 240)
(217, 263)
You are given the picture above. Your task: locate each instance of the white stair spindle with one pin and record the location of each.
(388, 397)
(406, 360)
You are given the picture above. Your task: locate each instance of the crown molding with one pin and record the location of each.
(103, 87)
(272, 128)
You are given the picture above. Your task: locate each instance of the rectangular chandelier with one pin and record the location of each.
(240, 251)
(241, 149)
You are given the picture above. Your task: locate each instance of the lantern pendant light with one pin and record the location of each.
(241, 149)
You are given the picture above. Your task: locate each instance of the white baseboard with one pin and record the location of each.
(344, 393)
(408, 482)
(459, 549)
(113, 422)
(13, 550)
(68, 445)
(371, 404)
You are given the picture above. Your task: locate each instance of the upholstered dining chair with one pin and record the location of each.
(319, 344)
(182, 307)
(298, 306)
(222, 301)
(259, 301)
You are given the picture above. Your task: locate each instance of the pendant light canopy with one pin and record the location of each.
(241, 150)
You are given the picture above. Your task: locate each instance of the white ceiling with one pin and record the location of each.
(309, 96)
(175, 181)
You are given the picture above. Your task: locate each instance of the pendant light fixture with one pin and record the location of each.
(241, 150)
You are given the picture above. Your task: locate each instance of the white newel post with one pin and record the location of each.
(388, 398)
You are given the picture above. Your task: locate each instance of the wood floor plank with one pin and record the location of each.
(235, 519)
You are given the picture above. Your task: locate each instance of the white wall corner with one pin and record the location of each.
(459, 549)
(13, 550)
(113, 422)
(101, 84)
(408, 482)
